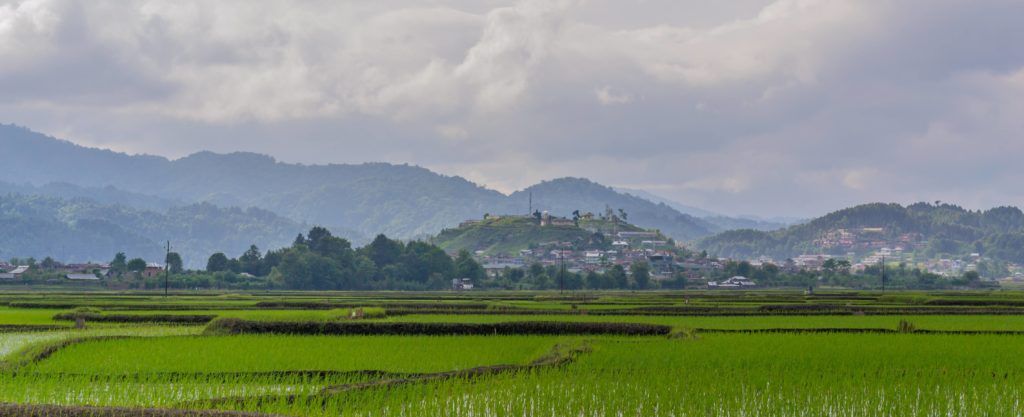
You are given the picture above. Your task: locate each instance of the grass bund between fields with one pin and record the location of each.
(758, 353)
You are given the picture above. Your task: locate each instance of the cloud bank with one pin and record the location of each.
(786, 107)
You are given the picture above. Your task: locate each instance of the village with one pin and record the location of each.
(56, 272)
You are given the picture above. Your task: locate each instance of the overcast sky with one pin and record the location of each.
(764, 107)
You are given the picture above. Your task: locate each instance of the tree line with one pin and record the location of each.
(320, 261)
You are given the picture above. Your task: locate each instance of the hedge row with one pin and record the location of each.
(9, 328)
(324, 305)
(25, 410)
(974, 302)
(864, 330)
(239, 326)
(137, 318)
(123, 306)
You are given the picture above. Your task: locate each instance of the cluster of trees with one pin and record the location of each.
(540, 277)
(321, 261)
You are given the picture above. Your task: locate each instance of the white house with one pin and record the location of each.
(734, 282)
(15, 273)
(82, 277)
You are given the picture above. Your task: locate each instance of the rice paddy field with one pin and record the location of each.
(757, 353)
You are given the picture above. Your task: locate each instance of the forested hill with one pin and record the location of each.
(507, 235)
(399, 200)
(563, 196)
(80, 230)
(930, 229)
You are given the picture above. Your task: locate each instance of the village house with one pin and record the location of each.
(733, 283)
(82, 277)
(15, 273)
(811, 262)
(462, 284)
(152, 270)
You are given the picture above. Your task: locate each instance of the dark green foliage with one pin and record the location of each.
(137, 318)
(467, 267)
(641, 273)
(120, 264)
(322, 261)
(136, 265)
(238, 326)
(324, 305)
(174, 262)
(217, 262)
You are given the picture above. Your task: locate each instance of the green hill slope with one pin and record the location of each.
(928, 229)
(510, 234)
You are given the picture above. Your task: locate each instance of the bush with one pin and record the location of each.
(239, 326)
(137, 318)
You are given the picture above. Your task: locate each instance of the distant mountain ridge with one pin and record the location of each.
(931, 229)
(79, 230)
(398, 200)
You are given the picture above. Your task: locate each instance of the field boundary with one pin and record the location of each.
(137, 318)
(16, 328)
(863, 330)
(559, 355)
(33, 410)
(227, 326)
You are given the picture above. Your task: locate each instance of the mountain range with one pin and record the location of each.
(357, 201)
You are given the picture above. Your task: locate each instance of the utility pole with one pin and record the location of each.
(167, 269)
(531, 204)
(561, 276)
(883, 273)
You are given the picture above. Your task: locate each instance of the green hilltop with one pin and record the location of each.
(507, 235)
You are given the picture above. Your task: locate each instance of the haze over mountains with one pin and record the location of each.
(76, 203)
(84, 186)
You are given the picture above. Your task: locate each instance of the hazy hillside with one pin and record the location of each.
(398, 200)
(718, 221)
(509, 235)
(107, 195)
(82, 230)
(562, 196)
(932, 230)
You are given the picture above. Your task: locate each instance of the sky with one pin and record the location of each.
(768, 107)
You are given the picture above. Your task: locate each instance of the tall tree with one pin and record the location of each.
(251, 261)
(384, 251)
(617, 275)
(174, 262)
(641, 272)
(120, 263)
(467, 267)
(137, 265)
(218, 262)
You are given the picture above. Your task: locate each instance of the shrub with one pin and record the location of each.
(137, 318)
(239, 326)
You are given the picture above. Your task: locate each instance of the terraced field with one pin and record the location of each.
(513, 354)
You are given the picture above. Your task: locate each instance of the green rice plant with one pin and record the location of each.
(263, 353)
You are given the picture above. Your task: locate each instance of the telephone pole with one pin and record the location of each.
(167, 269)
(561, 276)
(883, 273)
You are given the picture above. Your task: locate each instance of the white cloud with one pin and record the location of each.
(785, 105)
(607, 96)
